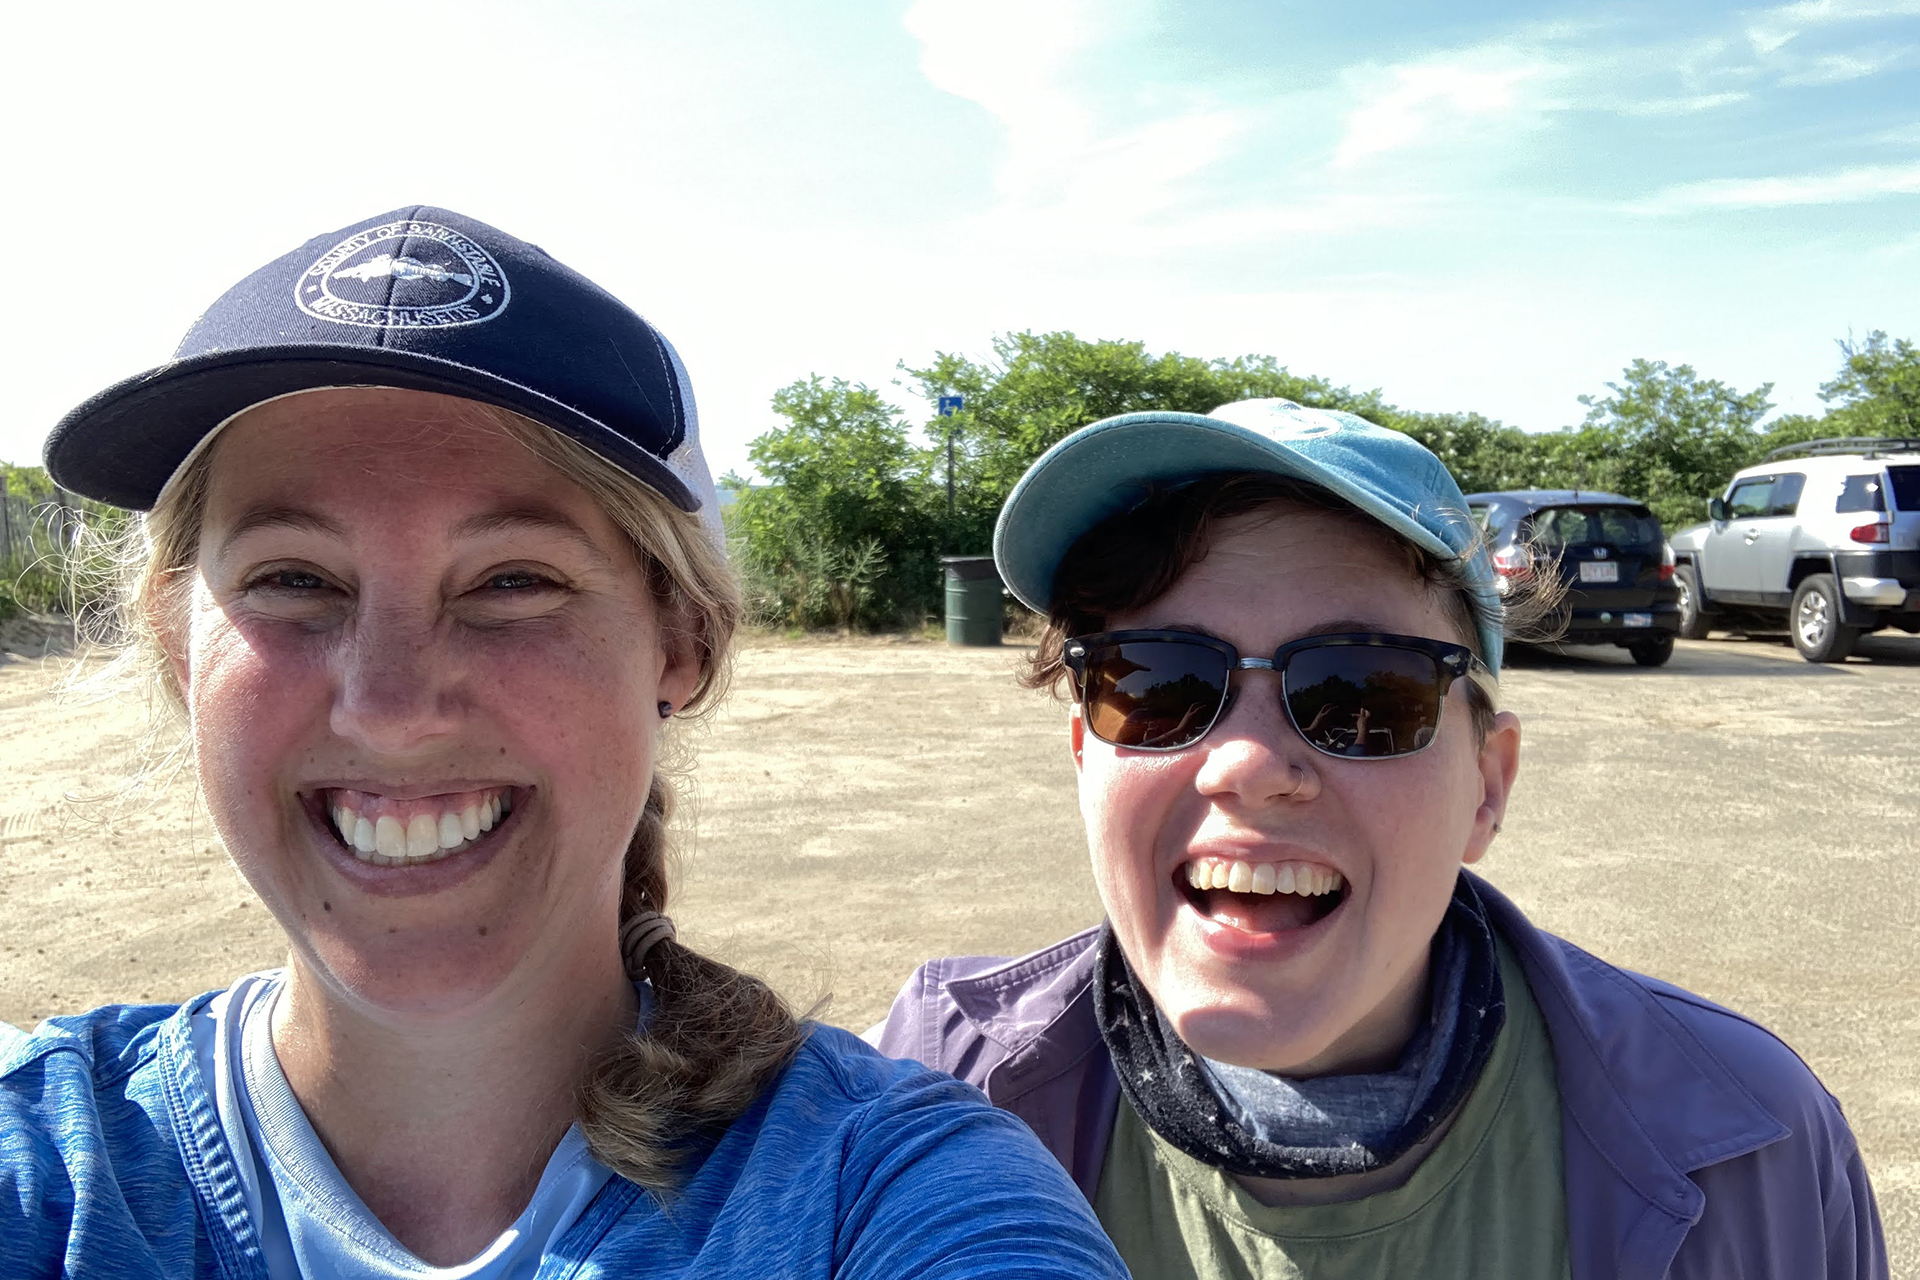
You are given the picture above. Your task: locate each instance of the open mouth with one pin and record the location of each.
(1260, 897)
(385, 832)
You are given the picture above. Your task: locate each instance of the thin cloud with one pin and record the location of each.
(1074, 180)
(1424, 98)
(1837, 68)
(1683, 106)
(1309, 214)
(1071, 177)
(1811, 13)
(1016, 60)
(1779, 25)
(1842, 186)
(1898, 251)
(1009, 58)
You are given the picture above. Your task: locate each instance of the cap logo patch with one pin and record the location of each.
(404, 275)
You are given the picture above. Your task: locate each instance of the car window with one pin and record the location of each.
(1613, 526)
(1906, 487)
(1861, 493)
(1750, 498)
(1626, 526)
(1560, 527)
(1482, 512)
(1785, 498)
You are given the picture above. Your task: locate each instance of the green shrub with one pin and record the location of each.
(854, 515)
(50, 560)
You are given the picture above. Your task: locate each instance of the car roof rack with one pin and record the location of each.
(1866, 446)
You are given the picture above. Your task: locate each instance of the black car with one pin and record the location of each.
(1610, 552)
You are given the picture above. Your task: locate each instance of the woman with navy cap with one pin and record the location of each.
(1306, 1041)
(429, 567)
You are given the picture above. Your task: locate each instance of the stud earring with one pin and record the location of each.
(666, 708)
(1496, 826)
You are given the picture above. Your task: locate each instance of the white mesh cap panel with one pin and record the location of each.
(687, 461)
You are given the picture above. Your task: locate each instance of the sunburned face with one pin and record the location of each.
(1278, 903)
(422, 669)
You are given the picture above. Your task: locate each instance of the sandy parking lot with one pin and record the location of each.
(1740, 822)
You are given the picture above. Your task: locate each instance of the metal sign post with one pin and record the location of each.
(950, 405)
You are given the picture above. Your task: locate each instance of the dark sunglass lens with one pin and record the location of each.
(1153, 693)
(1364, 700)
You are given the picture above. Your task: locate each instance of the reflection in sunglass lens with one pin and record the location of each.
(1364, 700)
(1153, 693)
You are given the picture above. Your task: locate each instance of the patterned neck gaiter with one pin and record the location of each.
(1259, 1124)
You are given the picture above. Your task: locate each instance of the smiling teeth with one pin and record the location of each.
(407, 833)
(1263, 878)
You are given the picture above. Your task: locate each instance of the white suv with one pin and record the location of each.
(1823, 536)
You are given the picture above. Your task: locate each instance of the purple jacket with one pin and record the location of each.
(1698, 1145)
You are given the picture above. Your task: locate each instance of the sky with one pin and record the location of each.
(1477, 206)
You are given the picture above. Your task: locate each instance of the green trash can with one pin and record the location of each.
(974, 611)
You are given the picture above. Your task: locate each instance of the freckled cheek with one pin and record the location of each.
(253, 709)
(1411, 830)
(587, 725)
(251, 695)
(569, 664)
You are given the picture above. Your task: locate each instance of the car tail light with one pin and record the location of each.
(1872, 533)
(1510, 565)
(1666, 561)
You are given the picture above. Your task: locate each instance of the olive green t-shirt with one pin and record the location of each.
(1488, 1202)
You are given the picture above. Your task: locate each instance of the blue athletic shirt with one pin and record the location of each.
(114, 1164)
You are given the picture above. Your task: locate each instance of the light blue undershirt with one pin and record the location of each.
(312, 1225)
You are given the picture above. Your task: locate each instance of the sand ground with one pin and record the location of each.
(1741, 823)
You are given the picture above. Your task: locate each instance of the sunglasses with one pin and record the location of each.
(1358, 696)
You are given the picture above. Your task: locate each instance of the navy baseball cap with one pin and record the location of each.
(1105, 469)
(420, 298)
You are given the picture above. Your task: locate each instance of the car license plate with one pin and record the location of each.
(1637, 619)
(1599, 571)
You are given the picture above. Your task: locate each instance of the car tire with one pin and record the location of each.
(1653, 652)
(1814, 619)
(1693, 618)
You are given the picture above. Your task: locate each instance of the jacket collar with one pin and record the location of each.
(1644, 1089)
(1053, 1069)
(1652, 1099)
(1018, 1003)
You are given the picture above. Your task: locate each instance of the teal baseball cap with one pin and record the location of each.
(1106, 468)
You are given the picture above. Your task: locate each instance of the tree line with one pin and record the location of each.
(855, 510)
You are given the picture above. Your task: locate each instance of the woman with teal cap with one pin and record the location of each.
(1307, 1041)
